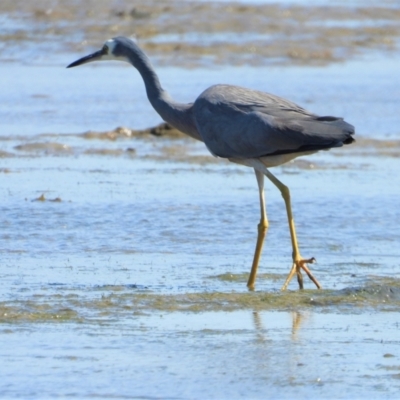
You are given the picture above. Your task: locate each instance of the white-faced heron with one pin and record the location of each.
(247, 127)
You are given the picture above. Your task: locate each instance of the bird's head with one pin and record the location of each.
(113, 49)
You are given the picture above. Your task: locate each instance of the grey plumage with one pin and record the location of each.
(235, 122)
(246, 126)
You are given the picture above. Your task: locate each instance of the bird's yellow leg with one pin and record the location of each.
(298, 262)
(262, 231)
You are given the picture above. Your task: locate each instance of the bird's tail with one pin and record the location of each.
(341, 124)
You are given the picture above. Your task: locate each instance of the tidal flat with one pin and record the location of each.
(126, 246)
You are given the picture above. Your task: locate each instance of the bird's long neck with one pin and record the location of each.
(177, 114)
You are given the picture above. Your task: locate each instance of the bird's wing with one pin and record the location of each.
(240, 123)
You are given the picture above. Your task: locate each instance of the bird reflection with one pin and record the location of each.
(298, 319)
(259, 328)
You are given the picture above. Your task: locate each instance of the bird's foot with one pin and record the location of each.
(298, 265)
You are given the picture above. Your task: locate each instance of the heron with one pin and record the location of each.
(245, 126)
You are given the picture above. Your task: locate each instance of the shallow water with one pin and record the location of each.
(240, 354)
(124, 262)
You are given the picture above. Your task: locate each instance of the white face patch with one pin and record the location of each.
(110, 43)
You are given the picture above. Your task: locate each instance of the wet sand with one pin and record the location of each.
(125, 251)
(194, 33)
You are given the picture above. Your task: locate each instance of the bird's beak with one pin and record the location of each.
(87, 59)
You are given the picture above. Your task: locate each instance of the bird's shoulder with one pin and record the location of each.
(236, 122)
(230, 98)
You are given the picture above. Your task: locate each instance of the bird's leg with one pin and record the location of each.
(262, 231)
(298, 262)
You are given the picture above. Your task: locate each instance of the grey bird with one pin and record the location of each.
(245, 126)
